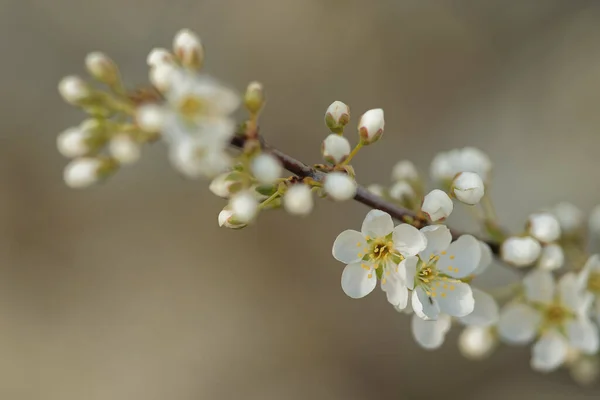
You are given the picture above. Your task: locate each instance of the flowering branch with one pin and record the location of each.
(424, 268)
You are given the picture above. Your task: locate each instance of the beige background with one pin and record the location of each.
(131, 291)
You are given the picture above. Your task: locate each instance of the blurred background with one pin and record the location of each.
(130, 290)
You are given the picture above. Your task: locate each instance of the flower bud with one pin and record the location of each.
(594, 221)
(468, 188)
(74, 90)
(402, 191)
(102, 68)
(150, 118)
(335, 149)
(158, 57)
(544, 227)
(370, 126)
(227, 220)
(569, 217)
(298, 200)
(244, 206)
(337, 116)
(339, 186)
(188, 49)
(405, 170)
(254, 99)
(585, 370)
(520, 251)
(85, 171)
(476, 342)
(437, 205)
(266, 168)
(223, 184)
(552, 257)
(73, 142)
(162, 75)
(124, 149)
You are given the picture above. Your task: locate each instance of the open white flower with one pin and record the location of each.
(435, 275)
(437, 205)
(554, 314)
(376, 252)
(589, 280)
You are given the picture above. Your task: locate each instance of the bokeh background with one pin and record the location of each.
(130, 290)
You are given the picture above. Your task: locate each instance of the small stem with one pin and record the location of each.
(354, 152)
(269, 199)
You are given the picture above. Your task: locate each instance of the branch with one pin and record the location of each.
(362, 194)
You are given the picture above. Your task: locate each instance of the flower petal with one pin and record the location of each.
(461, 258)
(486, 258)
(583, 335)
(539, 286)
(438, 239)
(455, 298)
(572, 294)
(377, 224)
(424, 306)
(349, 247)
(518, 323)
(395, 290)
(358, 282)
(485, 312)
(430, 334)
(549, 352)
(408, 240)
(409, 264)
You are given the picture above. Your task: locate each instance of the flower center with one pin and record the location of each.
(593, 283)
(380, 250)
(191, 106)
(556, 314)
(427, 273)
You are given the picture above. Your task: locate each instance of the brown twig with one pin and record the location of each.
(362, 194)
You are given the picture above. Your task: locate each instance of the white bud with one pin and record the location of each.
(594, 221)
(471, 159)
(552, 257)
(476, 342)
(520, 251)
(339, 186)
(220, 186)
(82, 172)
(298, 200)
(73, 89)
(227, 220)
(337, 116)
(162, 76)
(468, 188)
(101, 67)
(335, 148)
(370, 126)
(188, 49)
(569, 216)
(124, 149)
(402, 190)
(254, 98)
(405, 170)
(266, 168)
(585, 370)
(73, 142)
(244, 206)
(150, 118)
(437, 205)
(159, 56)
(544, 227)
(376, 189)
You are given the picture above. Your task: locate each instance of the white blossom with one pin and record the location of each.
(569, 216)
(445, 166)
(254, 98)
(244, 206)
(337, 116)
(544, 227)
(221, 185)
(74, 142)
(555, 314)
(298, 200)
(520, 251)
(376, 252)
(339, 186)
(405, 170)
(227, 220)
(124, 149)
(335, 148)
(150, 118)
(197, 157)
(159, 56)
(73, 89)
(401, 191)
(162, 76)
(437, 205)
(552, 257)
(468, 187)
(370, 126)
(266, 168)
(82, 172)
(188, 49)
(589, 281)
(101, 67)
(476, 342)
